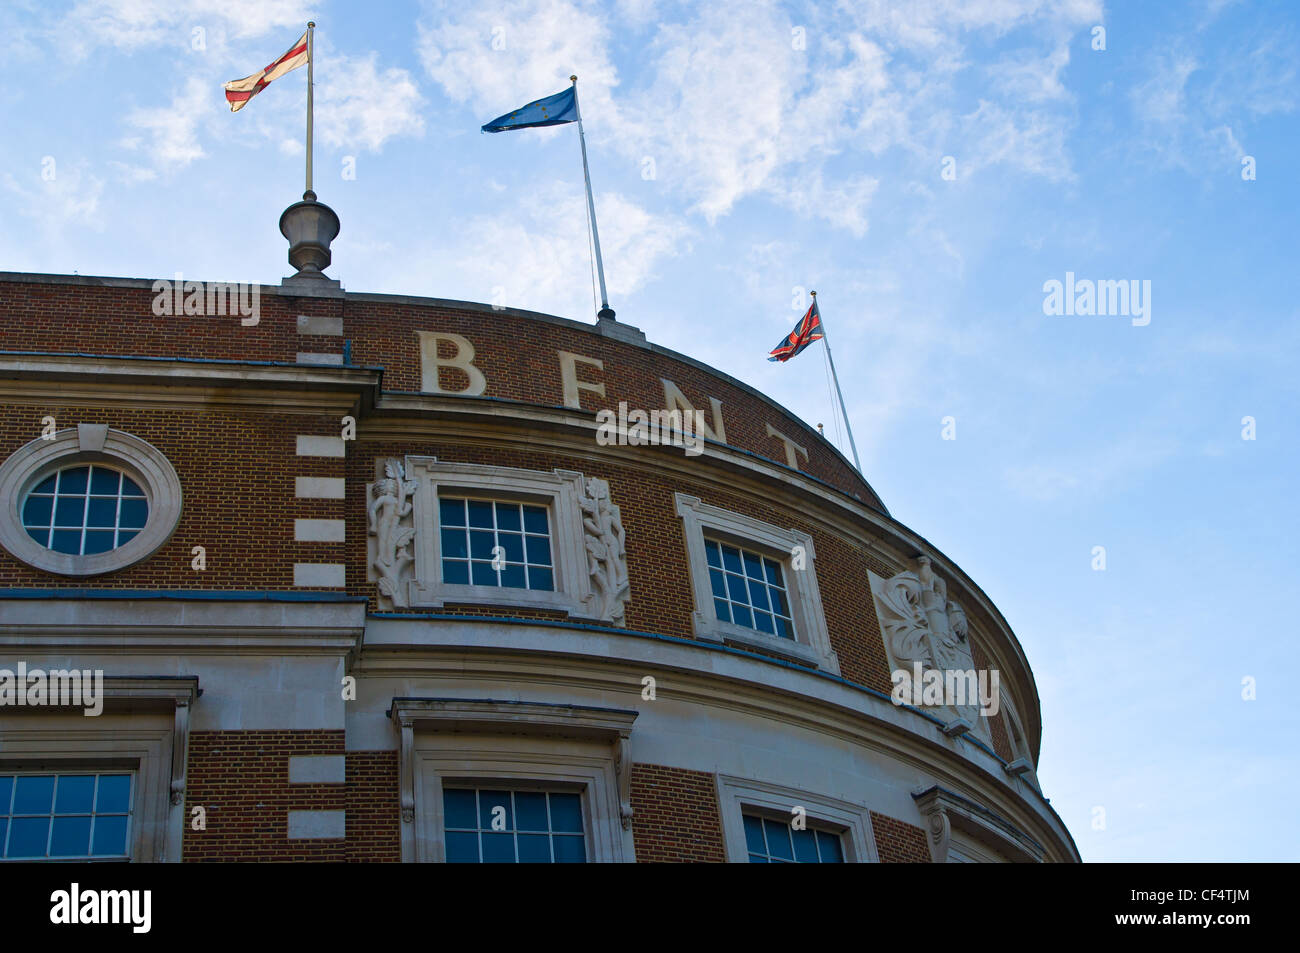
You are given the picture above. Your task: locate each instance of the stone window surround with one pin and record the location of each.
(563, 747)
(155, 752)
(88, 443)
(559, 491)
(951, 819)
(738, 795)
(812, 645)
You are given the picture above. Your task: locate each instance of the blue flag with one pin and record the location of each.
(551, 111)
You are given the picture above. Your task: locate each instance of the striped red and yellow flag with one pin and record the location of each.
(240, 91)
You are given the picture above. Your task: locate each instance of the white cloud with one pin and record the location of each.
(69, 199)
(170, 138)
(362, 106)
(538, 251)
(131, 24)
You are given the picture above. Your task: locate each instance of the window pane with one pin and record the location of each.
(541, 579)
(125, 536)
(114, 795)
(484, 574)
(36, 512)
(513, 545)
(784, 629)
(28, 836)
(481, 543)
(462, 848)
(66, 541)
(737, 589)
(723, 609)
(757, 859)
(6, 792)
(570, 850)
(763, 622)
(805, 846)
(530, 810)
(105, 482)
(455, 573)
(731, 558)
(129, 487)
(34, 794)
(753, 566)
(512, 576)
(454, 544)
(534, 849)
(498, 848)
(73, 480)
(98, 541)
(134, 513)
(773, 573)
(70, 837)
(535, 519)
(566, 813)
(716, 581)
(480, 513)
(41, 536)
(539, 550)
(711, 554)
(831, 850)
(778, 840)
(46, 485)
(758, 594)
(458, 808)
(103, 511)
(452, 512)
(70, 511)
(508, 517)
(110, 837)
(75, 794)
(741, 616)
(754, 835)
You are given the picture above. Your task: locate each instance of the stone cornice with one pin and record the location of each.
(132, 626)
(600, 661)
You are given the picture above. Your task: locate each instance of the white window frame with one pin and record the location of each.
(514, 744)
(85, 444)
(737, 795)
(145, 723)
(559, 491)
(811, 644)
(71, 769)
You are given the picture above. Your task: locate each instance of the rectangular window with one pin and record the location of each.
(513, 826)
(776, 842)
(72, 816)
(495, 543)
(748, 589)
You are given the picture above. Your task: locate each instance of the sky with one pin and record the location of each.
(929, 167)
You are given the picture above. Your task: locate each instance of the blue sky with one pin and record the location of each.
(734, 169)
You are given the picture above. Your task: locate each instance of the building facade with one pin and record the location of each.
(363, 577)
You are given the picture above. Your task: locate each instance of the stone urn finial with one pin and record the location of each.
(310, 227)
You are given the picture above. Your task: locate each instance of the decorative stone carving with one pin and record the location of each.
(606, 552)
(921, 624)
(389, 515)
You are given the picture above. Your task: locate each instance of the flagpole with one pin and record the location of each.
(840, 394)
(311, 61)
(605, 310)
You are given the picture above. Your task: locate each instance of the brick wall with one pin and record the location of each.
(87, 319)
(241, 779)
(675, 816)
(374, 817)
(898, 842)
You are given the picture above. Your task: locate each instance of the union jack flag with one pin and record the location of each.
(808, 329)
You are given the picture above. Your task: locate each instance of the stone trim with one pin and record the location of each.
(735, 795)
(582, 747)
(88, 443)
(952, 818)
(812, 644)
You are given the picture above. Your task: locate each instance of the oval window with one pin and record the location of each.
(82, 510)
